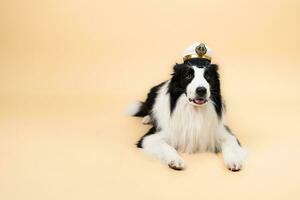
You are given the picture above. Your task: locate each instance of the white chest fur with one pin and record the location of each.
(188, 129)
(193, 129)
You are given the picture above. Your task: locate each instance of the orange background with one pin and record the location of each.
(69, 68)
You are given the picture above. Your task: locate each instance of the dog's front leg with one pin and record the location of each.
(156, 146)
(233, 154)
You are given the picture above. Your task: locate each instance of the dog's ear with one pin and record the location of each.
(214, 67)
(178, 67)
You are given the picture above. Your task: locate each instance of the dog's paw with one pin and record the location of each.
(147, 120)
(176, 164)
(234, 158)
(235, 167)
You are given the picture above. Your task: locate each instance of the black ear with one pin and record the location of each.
(214, 67)
(178, 67)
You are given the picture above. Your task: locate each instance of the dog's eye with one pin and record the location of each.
(188, 76)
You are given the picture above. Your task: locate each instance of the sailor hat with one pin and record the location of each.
(197, 50)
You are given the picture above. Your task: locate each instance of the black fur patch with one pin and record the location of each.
(197, 62)
(213, 78)
(152, 96)
(147, 106)
(181, 77)
(146, 109)
(151, 131)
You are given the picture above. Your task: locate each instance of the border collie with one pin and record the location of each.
(187, 116)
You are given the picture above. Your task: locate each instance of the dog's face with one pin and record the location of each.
(199, 83)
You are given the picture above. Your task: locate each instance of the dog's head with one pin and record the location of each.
(198, 80)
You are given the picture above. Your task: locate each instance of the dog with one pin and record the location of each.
(187, 114)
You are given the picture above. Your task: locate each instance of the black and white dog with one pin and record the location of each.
(187, 115)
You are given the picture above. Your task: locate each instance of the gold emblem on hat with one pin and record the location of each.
(200, 52)
(201, 49)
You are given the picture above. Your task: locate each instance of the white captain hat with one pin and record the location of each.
(197, 50)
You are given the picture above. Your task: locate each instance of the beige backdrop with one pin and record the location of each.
(68, 68)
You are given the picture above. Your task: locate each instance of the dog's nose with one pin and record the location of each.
(201, 91)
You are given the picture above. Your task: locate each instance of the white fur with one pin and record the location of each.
(198, 81)
(156, 146)
(147, 120)
(193, 129)
(233, 155)
(133, 108)
(190, 129)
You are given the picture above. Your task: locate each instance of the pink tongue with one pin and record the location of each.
(199, 101)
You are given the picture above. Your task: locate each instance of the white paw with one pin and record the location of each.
(147, 120)
(234, 158)
(176, 163)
